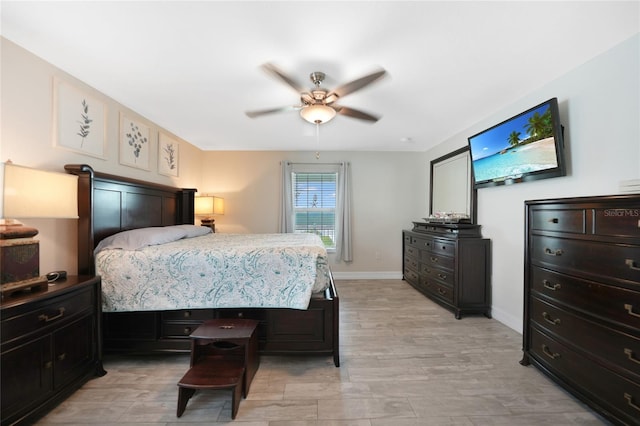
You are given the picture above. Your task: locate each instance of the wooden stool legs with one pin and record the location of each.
(183, 396)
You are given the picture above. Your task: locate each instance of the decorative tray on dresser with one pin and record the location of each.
(582, 299)
(450, 263)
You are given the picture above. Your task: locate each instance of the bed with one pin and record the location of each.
(109, 205)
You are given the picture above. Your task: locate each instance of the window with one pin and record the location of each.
(317, 198)
(314, 205)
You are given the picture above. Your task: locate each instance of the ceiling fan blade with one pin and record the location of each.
(355, 113)
(273, 70)
(254, 114)
(354, 85)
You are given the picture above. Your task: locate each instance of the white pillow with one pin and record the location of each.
(193, 230)
(138, 238)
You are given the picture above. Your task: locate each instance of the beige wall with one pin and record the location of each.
(599, 105)
(26, 139)
(388, 188)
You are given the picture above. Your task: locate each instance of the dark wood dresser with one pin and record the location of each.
(450, 264)
(582, 299)
(50, 346)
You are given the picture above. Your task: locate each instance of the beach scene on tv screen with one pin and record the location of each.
(516, 147)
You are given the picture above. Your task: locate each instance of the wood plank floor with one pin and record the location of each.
(405, 361)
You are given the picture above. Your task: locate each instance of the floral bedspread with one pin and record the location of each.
(215, 271)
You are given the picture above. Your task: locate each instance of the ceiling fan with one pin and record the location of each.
(318, 105)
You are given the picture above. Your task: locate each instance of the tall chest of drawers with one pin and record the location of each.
(582, 299)
(450, 264)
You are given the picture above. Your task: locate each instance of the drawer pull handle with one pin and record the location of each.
(550, 252)
(547, 352)
(551, 321)
(629, 309)
(632, 264)
(629, 399)
(240, 314)
(554, 220)
(46, 318)
(187, 330)
(62, 356)
(48, 364)
(187, 314)
(434, 259)
(442, 292)
(629, 353)
(548, 285)
(442, 276)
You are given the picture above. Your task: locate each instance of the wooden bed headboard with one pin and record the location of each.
(108, 204)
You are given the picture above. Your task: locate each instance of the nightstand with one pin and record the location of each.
(50, 346)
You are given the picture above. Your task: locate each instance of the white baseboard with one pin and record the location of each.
(383, 275)
(507, 319)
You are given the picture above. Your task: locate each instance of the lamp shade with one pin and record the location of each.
(218, 205)
(204, 205)
(208, 205)
(31, 193)
(317, 113)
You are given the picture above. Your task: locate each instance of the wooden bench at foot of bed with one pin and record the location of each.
(281, 331)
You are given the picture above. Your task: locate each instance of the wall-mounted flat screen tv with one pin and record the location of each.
(528, 146)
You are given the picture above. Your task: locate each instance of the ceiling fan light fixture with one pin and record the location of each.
(317, 113)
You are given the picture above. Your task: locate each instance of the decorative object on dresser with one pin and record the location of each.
(50, 346)
(450, 264)
(30, 193)
(582, 299)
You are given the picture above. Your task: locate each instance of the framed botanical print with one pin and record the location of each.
(79, 122)
(168, 155)
(134, 143)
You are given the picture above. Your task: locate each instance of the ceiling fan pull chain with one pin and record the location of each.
(318, 140)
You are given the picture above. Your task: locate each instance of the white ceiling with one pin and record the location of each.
(193, 67)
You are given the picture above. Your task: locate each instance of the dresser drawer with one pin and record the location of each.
(613, 304)
(438, 261)
(411, 252)
(587, 258)
(438, 289)
(560, 220)
(589, 379)
(444, 276)
(52, 312)
(188, 315)
(444, 248)
(618, 221)
(179, 330)
(618, 350)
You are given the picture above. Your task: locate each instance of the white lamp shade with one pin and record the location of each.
(318, 113)
(31, 193)
(208, 205)
(204, 205)
(218, 205)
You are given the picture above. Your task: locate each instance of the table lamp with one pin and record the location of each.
(208, 206)
(28, 194)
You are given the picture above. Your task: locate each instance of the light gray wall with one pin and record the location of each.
(600, 109)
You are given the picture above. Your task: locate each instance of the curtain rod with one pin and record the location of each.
(320, 164)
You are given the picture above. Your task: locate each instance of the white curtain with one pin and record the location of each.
(286, 204)
(343, 214)
(343, 202)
